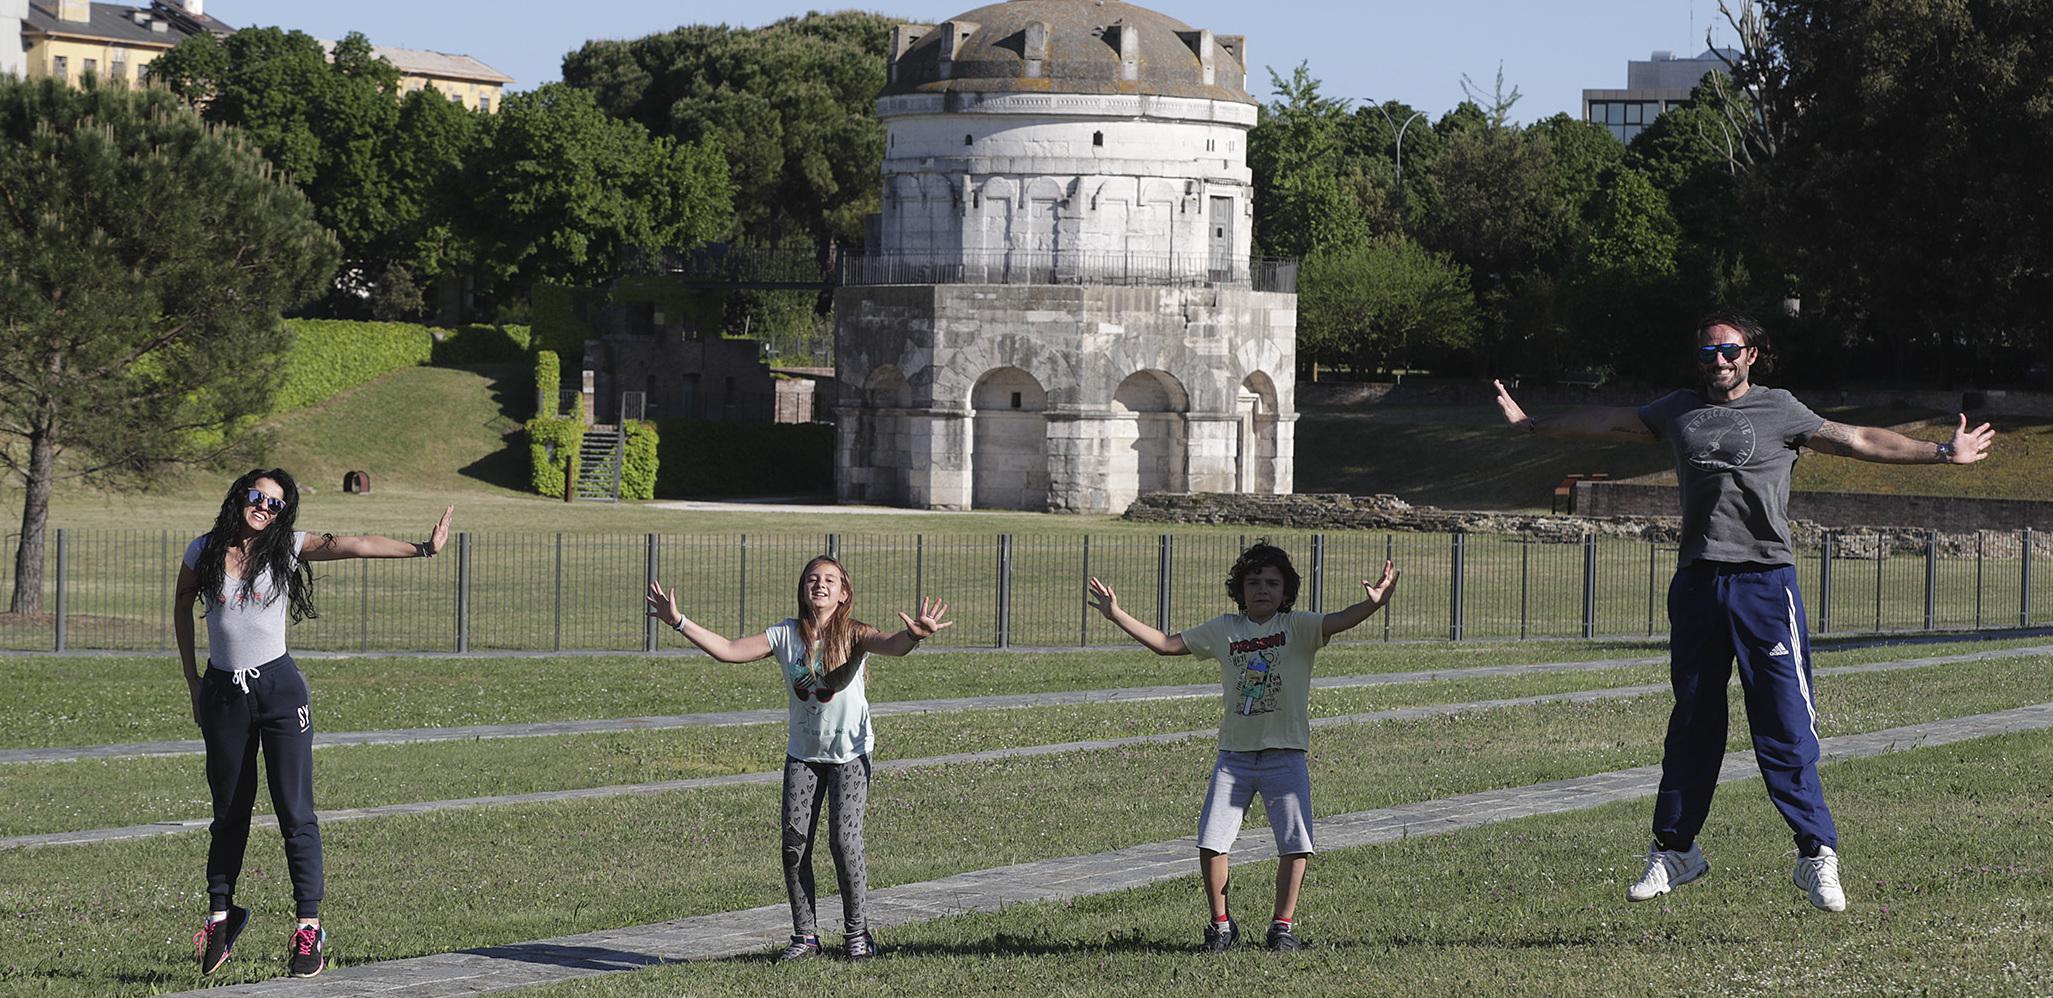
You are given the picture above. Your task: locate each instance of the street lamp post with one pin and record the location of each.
(1415, 115)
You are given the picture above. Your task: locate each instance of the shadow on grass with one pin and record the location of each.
(506, 467)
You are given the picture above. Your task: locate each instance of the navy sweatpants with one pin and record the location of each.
(275, 715)
(1718, 612)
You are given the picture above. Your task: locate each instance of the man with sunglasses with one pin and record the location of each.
(1735, 592)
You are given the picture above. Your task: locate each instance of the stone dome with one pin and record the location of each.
(1067, 47)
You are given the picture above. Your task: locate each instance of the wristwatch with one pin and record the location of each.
(1945, 451)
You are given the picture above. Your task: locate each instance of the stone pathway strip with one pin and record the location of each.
(736, 933)
(538, 729)
(157, 828)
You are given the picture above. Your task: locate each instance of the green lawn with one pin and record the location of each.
(57, 702)
(88, 701)
(484, 876)
(43, 797)
(1535, 906)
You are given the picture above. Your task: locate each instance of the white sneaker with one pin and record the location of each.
(1820, 876)
(1667, 870)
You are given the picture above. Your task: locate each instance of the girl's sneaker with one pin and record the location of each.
(860, 946)
(800, 948)
(216, 939)
(1220, 936)
(309, 951)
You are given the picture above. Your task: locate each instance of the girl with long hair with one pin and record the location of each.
(250, 577)
(824, 652)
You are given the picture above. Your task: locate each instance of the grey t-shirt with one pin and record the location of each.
(245, 629)
(1733, 460)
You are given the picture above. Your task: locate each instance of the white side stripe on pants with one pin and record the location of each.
(1796, 659)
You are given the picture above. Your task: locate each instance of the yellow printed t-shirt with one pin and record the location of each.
(1266, 670)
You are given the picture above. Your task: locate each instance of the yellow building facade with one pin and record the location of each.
(70, 39)
(457, 77)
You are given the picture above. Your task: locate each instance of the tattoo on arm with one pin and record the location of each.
(1833, 438)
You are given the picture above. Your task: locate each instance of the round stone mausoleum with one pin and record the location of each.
(1058, 309)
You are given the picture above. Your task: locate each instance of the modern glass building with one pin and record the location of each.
(1651, 87)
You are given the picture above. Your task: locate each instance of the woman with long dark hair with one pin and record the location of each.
(824, 651)
(249, 576)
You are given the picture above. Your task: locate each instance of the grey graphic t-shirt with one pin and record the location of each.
(1733, 460)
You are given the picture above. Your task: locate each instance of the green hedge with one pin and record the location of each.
(331, 356)
(482, 344)
(638, 467)
(700, 458)
(548, 385)
(545, 470)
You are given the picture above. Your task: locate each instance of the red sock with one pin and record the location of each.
(1222, 919)
(1280, 921)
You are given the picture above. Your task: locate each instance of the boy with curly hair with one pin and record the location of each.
(1265, 667)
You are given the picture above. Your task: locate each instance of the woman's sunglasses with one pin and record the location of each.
(1729, 351)
(256, 497)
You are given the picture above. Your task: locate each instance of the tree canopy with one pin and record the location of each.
(148, 258)
(792, 105)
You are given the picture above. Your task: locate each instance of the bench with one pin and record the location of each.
(1564, 492)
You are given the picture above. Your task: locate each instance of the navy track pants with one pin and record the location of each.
(1718, 612)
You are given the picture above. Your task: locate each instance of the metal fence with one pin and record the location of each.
(529, 591)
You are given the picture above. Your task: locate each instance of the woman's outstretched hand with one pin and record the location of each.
(440, 535)
(663, 605)
(929, 620)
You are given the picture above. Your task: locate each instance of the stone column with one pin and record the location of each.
(1286, 450)
(852, 471)
(1079, 452)
(937, 445)
(1214, 443)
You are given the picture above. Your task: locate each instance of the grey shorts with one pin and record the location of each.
(1280, 776)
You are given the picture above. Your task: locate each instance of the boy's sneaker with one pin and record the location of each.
(800, 948)
(216, 939)
(1820, 876)
(1282, 940)
(1220, 936)
(860, 946)
(309, 951)
(1667, 869)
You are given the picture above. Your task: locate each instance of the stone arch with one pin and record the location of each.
(1149, 438)
(1008, 454)
(1255, 454)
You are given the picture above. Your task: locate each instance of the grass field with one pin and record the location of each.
(1535, 907)
(495, 875)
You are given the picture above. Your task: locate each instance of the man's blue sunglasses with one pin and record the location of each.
(1708, 354)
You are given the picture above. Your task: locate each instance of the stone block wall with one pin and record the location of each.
(950, 392)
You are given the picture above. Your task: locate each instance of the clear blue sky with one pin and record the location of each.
(1415, 52)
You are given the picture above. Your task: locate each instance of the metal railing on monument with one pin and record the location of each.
(109, 590)
(1117, 269)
